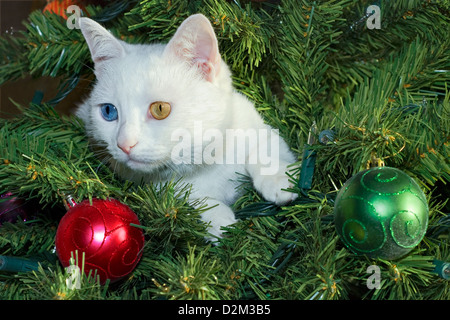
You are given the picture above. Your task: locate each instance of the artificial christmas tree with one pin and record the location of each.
(317, 69)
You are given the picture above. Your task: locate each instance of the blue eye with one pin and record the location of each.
(109, 112)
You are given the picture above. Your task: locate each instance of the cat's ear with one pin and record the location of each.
(102, 44)
(196, 42)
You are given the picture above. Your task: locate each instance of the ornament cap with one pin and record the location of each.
(374, 161)
(68, 201)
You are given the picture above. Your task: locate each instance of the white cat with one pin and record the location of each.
(170, 111)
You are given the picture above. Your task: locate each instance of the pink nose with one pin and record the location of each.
(126, 148)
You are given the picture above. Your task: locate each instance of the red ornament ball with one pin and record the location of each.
(103, 232)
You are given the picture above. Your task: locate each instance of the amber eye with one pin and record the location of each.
(160, 110)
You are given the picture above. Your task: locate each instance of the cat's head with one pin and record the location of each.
(143, 93)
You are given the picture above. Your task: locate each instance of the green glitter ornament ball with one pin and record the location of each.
(381, 213)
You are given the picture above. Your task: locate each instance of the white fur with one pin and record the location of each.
(189, 74)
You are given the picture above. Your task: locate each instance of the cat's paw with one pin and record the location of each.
(271, 186)
(218, 217)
